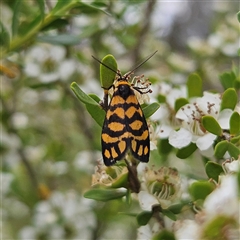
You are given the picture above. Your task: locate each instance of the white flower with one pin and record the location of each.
(187, 229)
(115, 176)
(160, 186)
(225, 195)
(231, 166)
(192, 129)
(166, 113)
(48, 63)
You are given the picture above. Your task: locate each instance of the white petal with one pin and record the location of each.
(187, 229)
(146, 200)
(32, 69)
(208, 152)
(180, 139)
(49, 77)
(225, 195)
(165, 131)
(66, 69)
(144, 233)
(206, 141)
(233, 166)
(224, 117)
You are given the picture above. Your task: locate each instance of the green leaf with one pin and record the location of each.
(4, 36)
(235, 140)
(227, 80)
(185, 152)
(220, 149)
(213, 170)
(15, 18)
(169, 214)
(233, 150)
(61, 5)
(238, 16)
(107, 76)
(164, 235)
(179, 103)
(144, 217)
(177, 208)
(194, 85)
(211, 125)
(164, 147)
(61, 39)
(214, 228)
(235, 123)
(41, 7)
(97, 113)
(91, 8)
(161, 98)
(94, 97)
(150, 109)
(201, 189)
(56, 24)
(229, 99)
(30, 28)
(121, 181)
(105, 194)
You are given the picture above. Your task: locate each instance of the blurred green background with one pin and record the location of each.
(49, 143)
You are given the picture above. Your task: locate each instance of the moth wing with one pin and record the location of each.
(115, 139)
(138, 129)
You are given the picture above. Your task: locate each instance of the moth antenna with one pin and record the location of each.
(107, 66)
(139, 65)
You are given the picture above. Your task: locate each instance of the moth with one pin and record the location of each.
(125, 128)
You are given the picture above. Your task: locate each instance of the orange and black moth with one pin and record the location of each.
(125, 128)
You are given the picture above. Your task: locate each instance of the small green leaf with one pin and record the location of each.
(211, 125)
(194, 85)
(233, 150)
(4, 36)
(164, 147)
(15, 18)
(176, 208)
(229, 99)
(61, 5)
(161, 98)
(94, 97)
(201, 189)
(105, 194)
(238, 16)
(150, 109)
(107, 76)
(60, 39)
(235, 140)
(220, 149)
(144, 217)
(179, 103)
(214, 228)
(213, 170)
(164, 235)
(97, 113)
(169, 214)
(41, 7)
(235, 123)
(85, 8)
(227, 80)
(121, 182)
(185, 152)
(83, 97)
